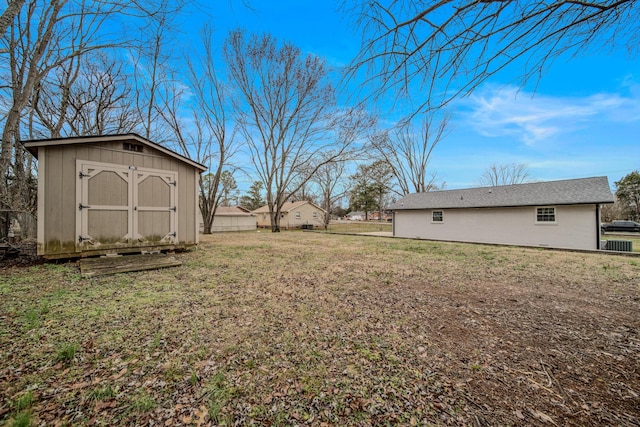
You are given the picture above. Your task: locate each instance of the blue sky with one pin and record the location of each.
(581, 119)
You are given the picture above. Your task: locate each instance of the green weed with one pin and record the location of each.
(174, 372)
(31, 318)
(24, 402)
(66, 352)
(105, 392)
(476, 367)
(193, 378)
(219, 393)
(57, 267)
(23, 419)
(142, 403)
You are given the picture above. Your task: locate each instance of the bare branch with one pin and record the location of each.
(445, 49)
(408, 152)
(282, 111)
(507, 174)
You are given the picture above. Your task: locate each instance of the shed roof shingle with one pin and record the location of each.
(565, 192)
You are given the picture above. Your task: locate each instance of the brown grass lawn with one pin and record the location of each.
(321, 329)
(358, 226)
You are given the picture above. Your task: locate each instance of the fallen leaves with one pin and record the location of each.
(305, 329)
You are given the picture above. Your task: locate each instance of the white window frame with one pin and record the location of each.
(315, 214)
(298, 215)
(553, 212)
(435, 221)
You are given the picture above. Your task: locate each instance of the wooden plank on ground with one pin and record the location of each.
(90, 267)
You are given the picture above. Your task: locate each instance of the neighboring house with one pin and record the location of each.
(113, 194)
(230, 218)
(293, 215)
(560, 214)
(386, 216)
(355, 216)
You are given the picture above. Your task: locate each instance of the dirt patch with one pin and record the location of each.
(310, 329)
(19, 254)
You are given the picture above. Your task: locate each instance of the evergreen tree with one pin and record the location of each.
(253, 199)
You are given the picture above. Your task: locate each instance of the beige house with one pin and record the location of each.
(113, 194)
(300, 214)
(559, 214)
(230, 218)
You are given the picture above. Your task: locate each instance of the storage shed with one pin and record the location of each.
(113, 194)
(231, 218)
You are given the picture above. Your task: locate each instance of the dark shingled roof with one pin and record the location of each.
(566, 192)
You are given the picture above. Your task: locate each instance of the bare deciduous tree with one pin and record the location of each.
(26, 43)
(87, 96)
(13, 8)
(206, 137)
(42, 36)
(408, 153)
(508, 174)
(448, 48)
(616, 210)
(330, 181)
(152, 75)
(351, 125)
(282, 112)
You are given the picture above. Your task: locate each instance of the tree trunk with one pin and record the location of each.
(275, 220)
(9, 136)
(9, 13)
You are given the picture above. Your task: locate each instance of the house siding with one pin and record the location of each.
(306, 217)
(288, 218)
(575, 226)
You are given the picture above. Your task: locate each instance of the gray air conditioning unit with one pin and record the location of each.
(620, 245)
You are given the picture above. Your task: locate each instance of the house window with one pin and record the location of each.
(264, 216)
(437, 216)
(546, 214)
(298, 216)
(315, 214)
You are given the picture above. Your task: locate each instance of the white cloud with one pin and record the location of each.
(538, 118)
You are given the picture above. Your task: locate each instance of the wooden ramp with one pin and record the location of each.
(90, 267)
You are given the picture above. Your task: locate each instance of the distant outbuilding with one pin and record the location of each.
(231, 218)
(559, 214)
(113, 194)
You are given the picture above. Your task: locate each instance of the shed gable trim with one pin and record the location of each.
(34, 144)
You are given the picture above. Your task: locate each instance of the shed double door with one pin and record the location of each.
(124, 206)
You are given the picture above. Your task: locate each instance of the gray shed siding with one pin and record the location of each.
(58, 180)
